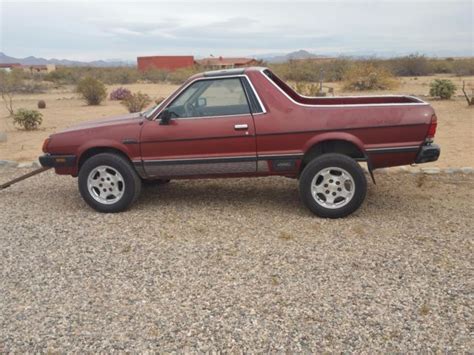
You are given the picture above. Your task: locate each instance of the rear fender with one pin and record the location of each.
(340, 136)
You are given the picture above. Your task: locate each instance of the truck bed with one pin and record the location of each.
(340, 100)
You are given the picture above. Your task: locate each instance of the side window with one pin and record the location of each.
(218, 97)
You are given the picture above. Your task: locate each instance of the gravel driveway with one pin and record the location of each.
(237, 265)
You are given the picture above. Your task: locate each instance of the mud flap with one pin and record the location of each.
(371, 170)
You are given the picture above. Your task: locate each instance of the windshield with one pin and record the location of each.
(148, 113)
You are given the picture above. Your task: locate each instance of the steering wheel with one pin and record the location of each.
(190, 110)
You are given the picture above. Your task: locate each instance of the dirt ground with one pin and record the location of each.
(64, 108)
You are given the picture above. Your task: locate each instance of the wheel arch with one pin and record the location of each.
(94, 148)
(342, 143)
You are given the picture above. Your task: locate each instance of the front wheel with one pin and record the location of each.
(333, 185)
(108, 183)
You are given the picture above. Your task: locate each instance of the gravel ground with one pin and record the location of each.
(237, 265)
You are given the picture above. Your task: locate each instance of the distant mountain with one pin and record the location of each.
(281, 57)
(70, 63)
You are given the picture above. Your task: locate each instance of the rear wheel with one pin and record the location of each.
(108, 183)
(333, 185)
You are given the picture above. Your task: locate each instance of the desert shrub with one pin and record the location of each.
(311, 70)
(64, 76)
(19, 82)
(110, 75)
(41, 104)
(469, 97)
(155, 75)
(120, 94)
(159, 100)
(181, 75)
(10, 83)
(117, 75)
(306, 89)
(336, 69)
(136, 102)
(411, 65)
(31, 87)
(367, 76)
(92, 90)
(28, 119)
(444, 89)
(463, 67)
(441, 66)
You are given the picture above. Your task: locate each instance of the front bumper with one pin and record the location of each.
(428, 153)
(57, 161)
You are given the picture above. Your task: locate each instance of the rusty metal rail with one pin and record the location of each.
(23, 177)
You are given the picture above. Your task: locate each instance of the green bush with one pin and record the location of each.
(136, 102)
(92, 90)
(367, 76)
(444, 89)
(28, 119)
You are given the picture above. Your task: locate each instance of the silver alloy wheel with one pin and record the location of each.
(332, 187)
(105, 184)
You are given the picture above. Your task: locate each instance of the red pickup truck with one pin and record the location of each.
(246, 123)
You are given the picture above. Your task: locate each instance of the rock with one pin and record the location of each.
(451, 170)
(3, 137)
(35, 164)
(415, 171)
(430, 171)
(25, 165)
(467, 170)
(8, 164)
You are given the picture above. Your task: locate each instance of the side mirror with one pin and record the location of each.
(165, 117)
(202, 102)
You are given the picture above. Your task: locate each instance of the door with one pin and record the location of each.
(211, 132)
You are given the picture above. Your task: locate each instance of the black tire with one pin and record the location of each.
(131, 185)
(156, 182)
(333, 160)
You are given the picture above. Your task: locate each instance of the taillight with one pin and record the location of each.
(45, 145)
(432, 128)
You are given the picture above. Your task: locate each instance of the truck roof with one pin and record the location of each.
(230, 72)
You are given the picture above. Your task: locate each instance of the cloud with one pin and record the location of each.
(114, 29)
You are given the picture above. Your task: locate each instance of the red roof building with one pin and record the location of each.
(165, 62)
(227, 63)
(9, 66)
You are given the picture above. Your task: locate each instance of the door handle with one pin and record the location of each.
(240, 127)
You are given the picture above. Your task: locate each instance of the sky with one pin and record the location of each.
(91, 30)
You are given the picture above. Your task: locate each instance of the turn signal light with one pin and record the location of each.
(432, 128)
(45, 145)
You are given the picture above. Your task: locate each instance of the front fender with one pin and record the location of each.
(129, 150)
